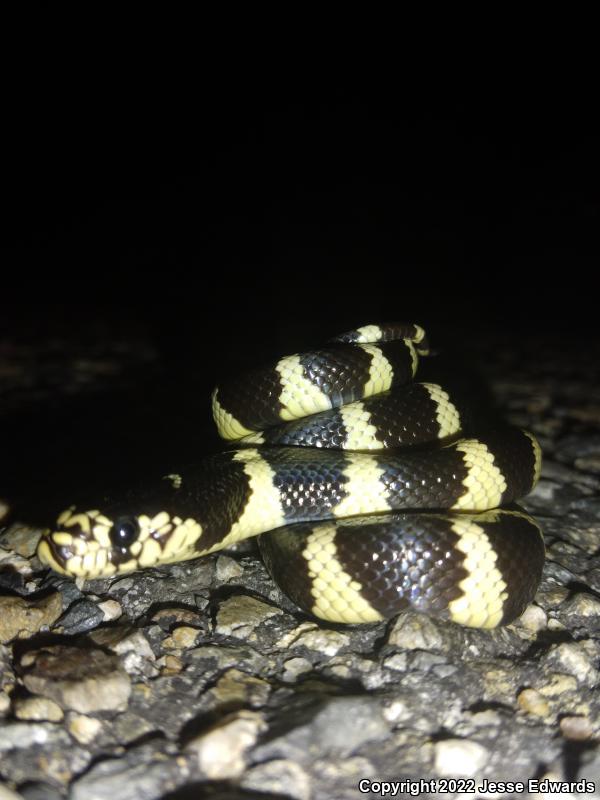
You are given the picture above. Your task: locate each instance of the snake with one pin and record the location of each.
(367, 497)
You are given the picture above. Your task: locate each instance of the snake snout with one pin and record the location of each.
(52, 553)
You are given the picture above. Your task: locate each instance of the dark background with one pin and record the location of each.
(220, 228)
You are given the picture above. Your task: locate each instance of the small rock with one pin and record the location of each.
(24, 734)
(279, 777)
(294, 667)
(412, 631)
(172, 665)
(21, 618)
(78, 679)
(40, 709)
(82, 616)
(397, 711)
(137, 656)
(111, 610)
(21, 539)
(533, 619)
(578, 729)
(181, 638)
(533, 702)
(459, 758)
(340, 726)
(166, 617)
(558, 684)
(235, 687)
(84, 729)
(12, 566)
(582, 605)
(227, 569)
(490, 718)
(134, 642)
(311, 636)
(397, 661)
(221, 751)
(240, 615)
(572, 658)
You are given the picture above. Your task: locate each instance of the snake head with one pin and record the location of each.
(92, 544)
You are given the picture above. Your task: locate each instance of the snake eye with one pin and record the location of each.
(124, 532)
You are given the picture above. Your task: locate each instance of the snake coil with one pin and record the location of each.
(372, 500)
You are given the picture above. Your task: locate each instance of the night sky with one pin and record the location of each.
(252, 207)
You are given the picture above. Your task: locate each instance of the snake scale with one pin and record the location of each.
(373, 500)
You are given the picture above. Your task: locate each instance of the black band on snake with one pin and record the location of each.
(367, 524)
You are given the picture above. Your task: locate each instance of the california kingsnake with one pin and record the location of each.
(313, 451)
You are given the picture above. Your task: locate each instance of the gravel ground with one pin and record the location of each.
(202, 680)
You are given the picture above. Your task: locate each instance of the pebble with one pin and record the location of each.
(572, 658)
(111, 610)
(221, 751)
(240, 615)
(534, 619)
(20, 618)
(534, 703)
(397, 661)
(19, 735)
(557, 684)
(279, 777)
(13, 565)
(582, 605)
(311, 636)
(40, 709)
(172, 665)
(83, 728)
(235, 687)
(77, 679)
(227, 569)
(340, 727)
(576, 728)
(459, 758)
(181, 638)
(167, 617)
(21, 539)
(81, 616)
(412, 631)
(294, 667)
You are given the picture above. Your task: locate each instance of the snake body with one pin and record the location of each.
(373, 501)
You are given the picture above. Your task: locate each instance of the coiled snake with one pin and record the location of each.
(368, 524)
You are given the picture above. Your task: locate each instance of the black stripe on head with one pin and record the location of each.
(340, 372)
(402, 560)
(217, 495)
(519, 548)
(326, 429)
(253, 398)
(404, 417)
(513, 455)
(311, 483)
